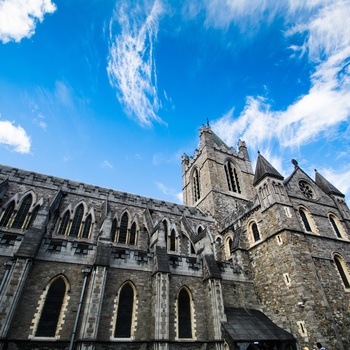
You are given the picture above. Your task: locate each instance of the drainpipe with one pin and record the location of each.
(86, 271)
(8, 265)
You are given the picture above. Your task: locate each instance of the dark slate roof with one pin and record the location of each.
(3, 187)
(213, 268)
(326, 186)
(162, 261)
(103, 255)
(263, 169)
(218, 140)
(252, 325)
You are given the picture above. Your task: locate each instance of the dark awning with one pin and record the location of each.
(252, 325)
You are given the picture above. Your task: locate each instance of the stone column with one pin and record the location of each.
(217, 309)
(161, 311)
(92, 311)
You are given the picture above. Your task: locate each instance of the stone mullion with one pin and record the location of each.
(93, 305)
(11, 294)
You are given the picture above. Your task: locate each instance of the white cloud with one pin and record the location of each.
(340, 179)
(131, 63)
(177, 196)
(15, 137)
(106, 164)
(327, 103)
(18, 18)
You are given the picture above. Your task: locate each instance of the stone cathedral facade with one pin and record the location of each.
(252, 260)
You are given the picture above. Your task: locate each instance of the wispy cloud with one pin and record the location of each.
(340, 179)
(18, 18)
(177, 196)
(14, 136)
(327, 103)
(131, 62)
(106, 164)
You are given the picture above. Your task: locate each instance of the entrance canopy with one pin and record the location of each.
(249, 325)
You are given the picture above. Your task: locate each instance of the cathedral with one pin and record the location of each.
(251, 260)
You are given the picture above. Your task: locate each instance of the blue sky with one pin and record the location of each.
(112, 93)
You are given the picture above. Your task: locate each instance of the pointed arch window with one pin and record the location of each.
(336, 225)
(76, 223)
(232, 177)
(87, 227)
(123, 326)
(172, 240)
(33, 216)
(22, 212)
(343, 270)
(7, 214)
(123, 228)
(166, 234)
(228, 247)
(255, 231)
(306, 219)
(132, 238)
(47, 326)
(64, 224)
(114, 230)
(184, 314)
(196, 185)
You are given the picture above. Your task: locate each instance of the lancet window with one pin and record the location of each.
(232, 177)
(52, 309)
(184, 313)
(125, 311)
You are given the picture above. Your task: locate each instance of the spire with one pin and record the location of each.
(263, 169)
(326, 186)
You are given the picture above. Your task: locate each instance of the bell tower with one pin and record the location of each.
(217, 177)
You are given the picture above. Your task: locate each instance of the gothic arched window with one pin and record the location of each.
(166, 234)
(114, 230)
(51, 311)
(22, 212)
(123, 326)
(231, 177)
(76, 223)
(6, 216)
(304, 218)
(132, 239)
(87, 227)
(228, 247)
(255, 231)
(64, 224)
(196, 185)
(33, 216)
(184, 314)
(336, 225)
(343, 270)
(123, 228)
(172, 240)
